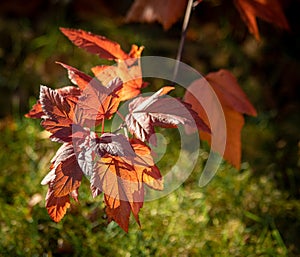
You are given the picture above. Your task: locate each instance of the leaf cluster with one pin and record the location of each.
(118, 165)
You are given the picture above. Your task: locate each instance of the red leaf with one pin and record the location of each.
(166, 12)
(268, 10)
(95, 44)
(228, 89)
(234, 103)
(56, 206)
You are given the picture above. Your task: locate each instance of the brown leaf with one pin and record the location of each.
(166, 12)
(234, 103)
(268, 10)
(68, 177)
(118, 211)
(95, 44)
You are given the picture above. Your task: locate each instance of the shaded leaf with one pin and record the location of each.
(234, 103)
(68, 177)
(113, 144)
(121, 186)
(149, 173)
(166, 12)
(268, 10)
(122, 182)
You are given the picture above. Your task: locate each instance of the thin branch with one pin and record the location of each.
(183, 35)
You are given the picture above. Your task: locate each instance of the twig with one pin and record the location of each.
(183, 35)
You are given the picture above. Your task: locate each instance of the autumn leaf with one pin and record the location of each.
(70, 92)
(122, 189)
(123, 183)
(56, 206)
(98, 102)
(65, 175)
(95, 44)
(76, 76)
(149, 173)
(268, 10)
(113, 144)
(234, 104)
(130, 75)
(166, 12)
(147, 112)
(59, 114)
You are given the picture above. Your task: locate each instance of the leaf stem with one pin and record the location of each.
(185, 24)
(102, 128)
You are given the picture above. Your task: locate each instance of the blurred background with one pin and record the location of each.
(251, 212)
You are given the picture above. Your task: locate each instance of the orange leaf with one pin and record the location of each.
(98, 102)
(234, 103)
(131, 77)
(122, 189)
(77, 77)
(166, 12)
(59, 112)
(36, 111)
(136, 51)
(56, 206)
(122, 181)
(95, 44)
(68, 177)
(268, 10)
(148, 171)
(118, 210)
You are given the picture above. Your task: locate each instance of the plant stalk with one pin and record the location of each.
(185, 24)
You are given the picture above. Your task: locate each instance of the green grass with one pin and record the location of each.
(236, 214)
